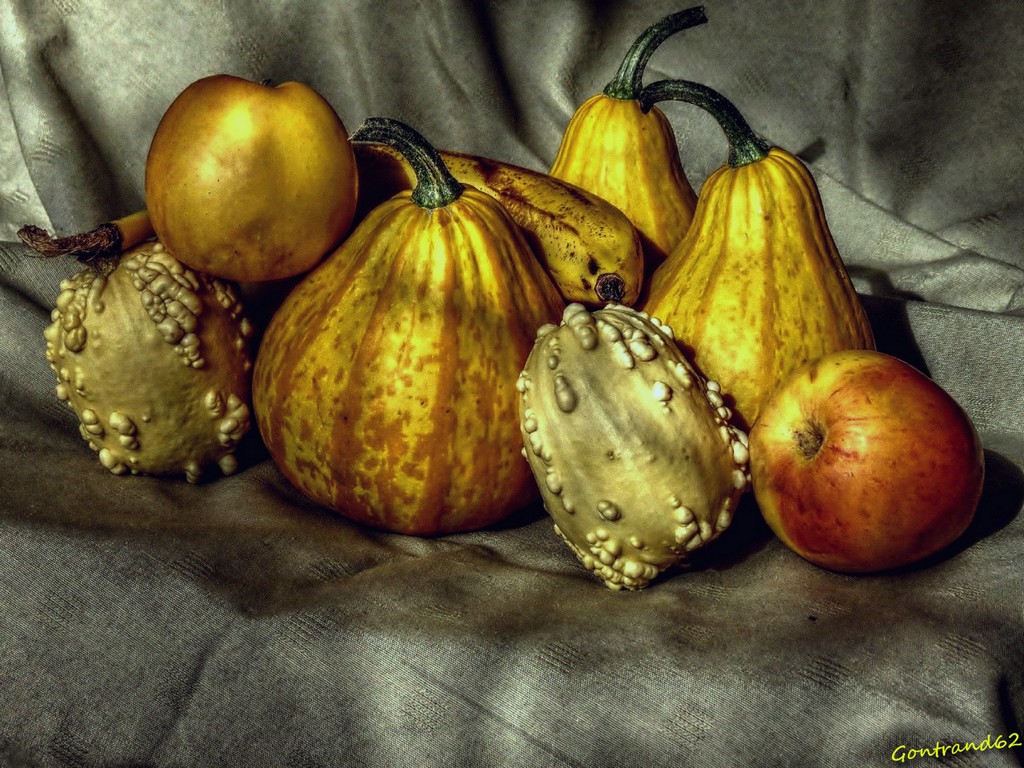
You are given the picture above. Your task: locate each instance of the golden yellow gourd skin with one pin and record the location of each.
(588, 246)
(757, 287)
(383, 387)
(615, 150)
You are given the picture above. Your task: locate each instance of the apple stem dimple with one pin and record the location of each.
(809, 440)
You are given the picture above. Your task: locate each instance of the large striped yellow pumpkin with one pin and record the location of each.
(384, 385)
(626, 152)
(757, 286)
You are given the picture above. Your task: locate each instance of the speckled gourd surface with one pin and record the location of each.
(588, 246)
(756, 287)
(383, 384)
(626, 151)
(638, 171)
(154, 358)
(633, 450)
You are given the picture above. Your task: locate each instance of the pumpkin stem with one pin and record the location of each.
(628, 81)
(745, 146)
(435, 187)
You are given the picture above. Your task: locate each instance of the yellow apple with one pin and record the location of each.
(860, 463)
(248, 181)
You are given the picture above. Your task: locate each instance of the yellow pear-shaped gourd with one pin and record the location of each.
(757, 287)
(383, 385)
(626, 152)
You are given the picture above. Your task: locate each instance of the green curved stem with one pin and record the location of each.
(435, 187)
(745, 146)
(628, 81)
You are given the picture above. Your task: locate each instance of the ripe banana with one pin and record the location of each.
(589, 248)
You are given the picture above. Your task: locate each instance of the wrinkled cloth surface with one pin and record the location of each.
(149, 622)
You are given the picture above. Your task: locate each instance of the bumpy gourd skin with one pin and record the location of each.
(250, 182)
(632, 449)
(382, 387)
(588, 246)
(154, 359)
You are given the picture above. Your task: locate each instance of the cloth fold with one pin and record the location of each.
(148, 622)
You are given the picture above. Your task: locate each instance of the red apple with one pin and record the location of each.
(860, 463)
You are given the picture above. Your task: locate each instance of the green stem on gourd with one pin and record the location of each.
(628, 81)
(745, 146)
(435, 187)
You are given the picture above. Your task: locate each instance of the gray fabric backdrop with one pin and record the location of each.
(148, 622)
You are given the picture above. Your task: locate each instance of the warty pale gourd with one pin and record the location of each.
(154, 358)
(632, 449)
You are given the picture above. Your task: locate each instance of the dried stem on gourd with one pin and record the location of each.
(108, 239)
(628, 81)
(745, 146)
(435, 187)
